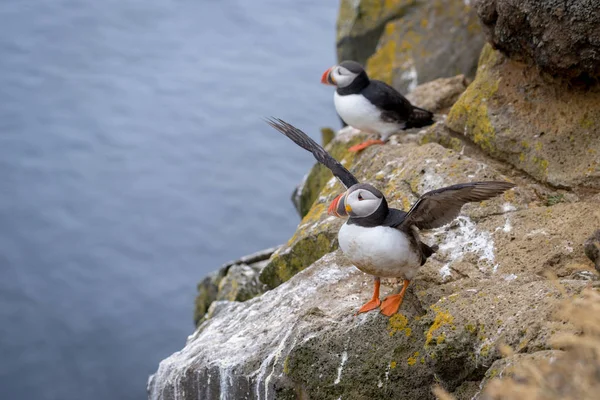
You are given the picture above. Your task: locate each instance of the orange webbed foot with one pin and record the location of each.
(374, 302)
(365, 144)
(368, 306)
(391, 304)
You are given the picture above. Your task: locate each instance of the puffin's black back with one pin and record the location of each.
(395, 107)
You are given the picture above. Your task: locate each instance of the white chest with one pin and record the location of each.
(360, 113)
(381, 251)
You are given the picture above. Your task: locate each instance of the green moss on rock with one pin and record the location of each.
(302, 254)
(208, 290)
(327, 135)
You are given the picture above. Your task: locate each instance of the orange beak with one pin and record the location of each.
(334, 208)
(327, 79)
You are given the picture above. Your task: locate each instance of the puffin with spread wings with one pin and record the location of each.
(383, 241)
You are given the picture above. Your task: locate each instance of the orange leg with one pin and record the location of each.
(365, 144)
(391, 304)
(374, 302)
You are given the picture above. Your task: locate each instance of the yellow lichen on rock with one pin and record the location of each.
(360, 24)
(398, 323)
(541, 125)
(429, 40)
(469, 115)
(412, 360)
(441, 319)
(379, 64)
(432, 136)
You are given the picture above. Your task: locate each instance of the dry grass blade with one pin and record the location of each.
(505, 350)
(441, 394)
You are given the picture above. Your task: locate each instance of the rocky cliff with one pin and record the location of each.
(281, 324)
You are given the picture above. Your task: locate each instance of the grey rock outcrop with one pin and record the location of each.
(435, 39)
(406, 43)
(235, 281)
(361, 23)
(440, 94)
(592, 248)
(541, 126)
(561, 37)
(301, 340)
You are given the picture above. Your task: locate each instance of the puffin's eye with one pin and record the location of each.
(339, 71)
(360, 197)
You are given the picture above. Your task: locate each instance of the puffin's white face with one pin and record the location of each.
(362, 203)
(338, 76)
(359, 201)
(342, 77)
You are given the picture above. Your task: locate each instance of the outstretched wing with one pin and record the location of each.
(322, 156)
(438, 207)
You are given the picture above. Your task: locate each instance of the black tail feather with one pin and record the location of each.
(427, 251)
(419, 118)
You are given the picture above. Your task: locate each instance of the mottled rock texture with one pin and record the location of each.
(301, 339)
(592, 249)
(360, 24)
(408, 42)
(561, 37)
(539, 125)
(435, 39)
(440, 94)
(234, 281)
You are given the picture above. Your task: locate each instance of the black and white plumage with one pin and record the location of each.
(384, 241)
(371, 105)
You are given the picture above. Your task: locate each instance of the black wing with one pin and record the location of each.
(396, 108)
(322, 156)
(439, 207)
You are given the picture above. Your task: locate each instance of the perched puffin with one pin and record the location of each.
(370, 105)
(383, 241)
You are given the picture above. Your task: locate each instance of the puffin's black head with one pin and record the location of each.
(344, 74)
(360, 201)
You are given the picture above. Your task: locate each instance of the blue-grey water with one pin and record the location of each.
(133, 161)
